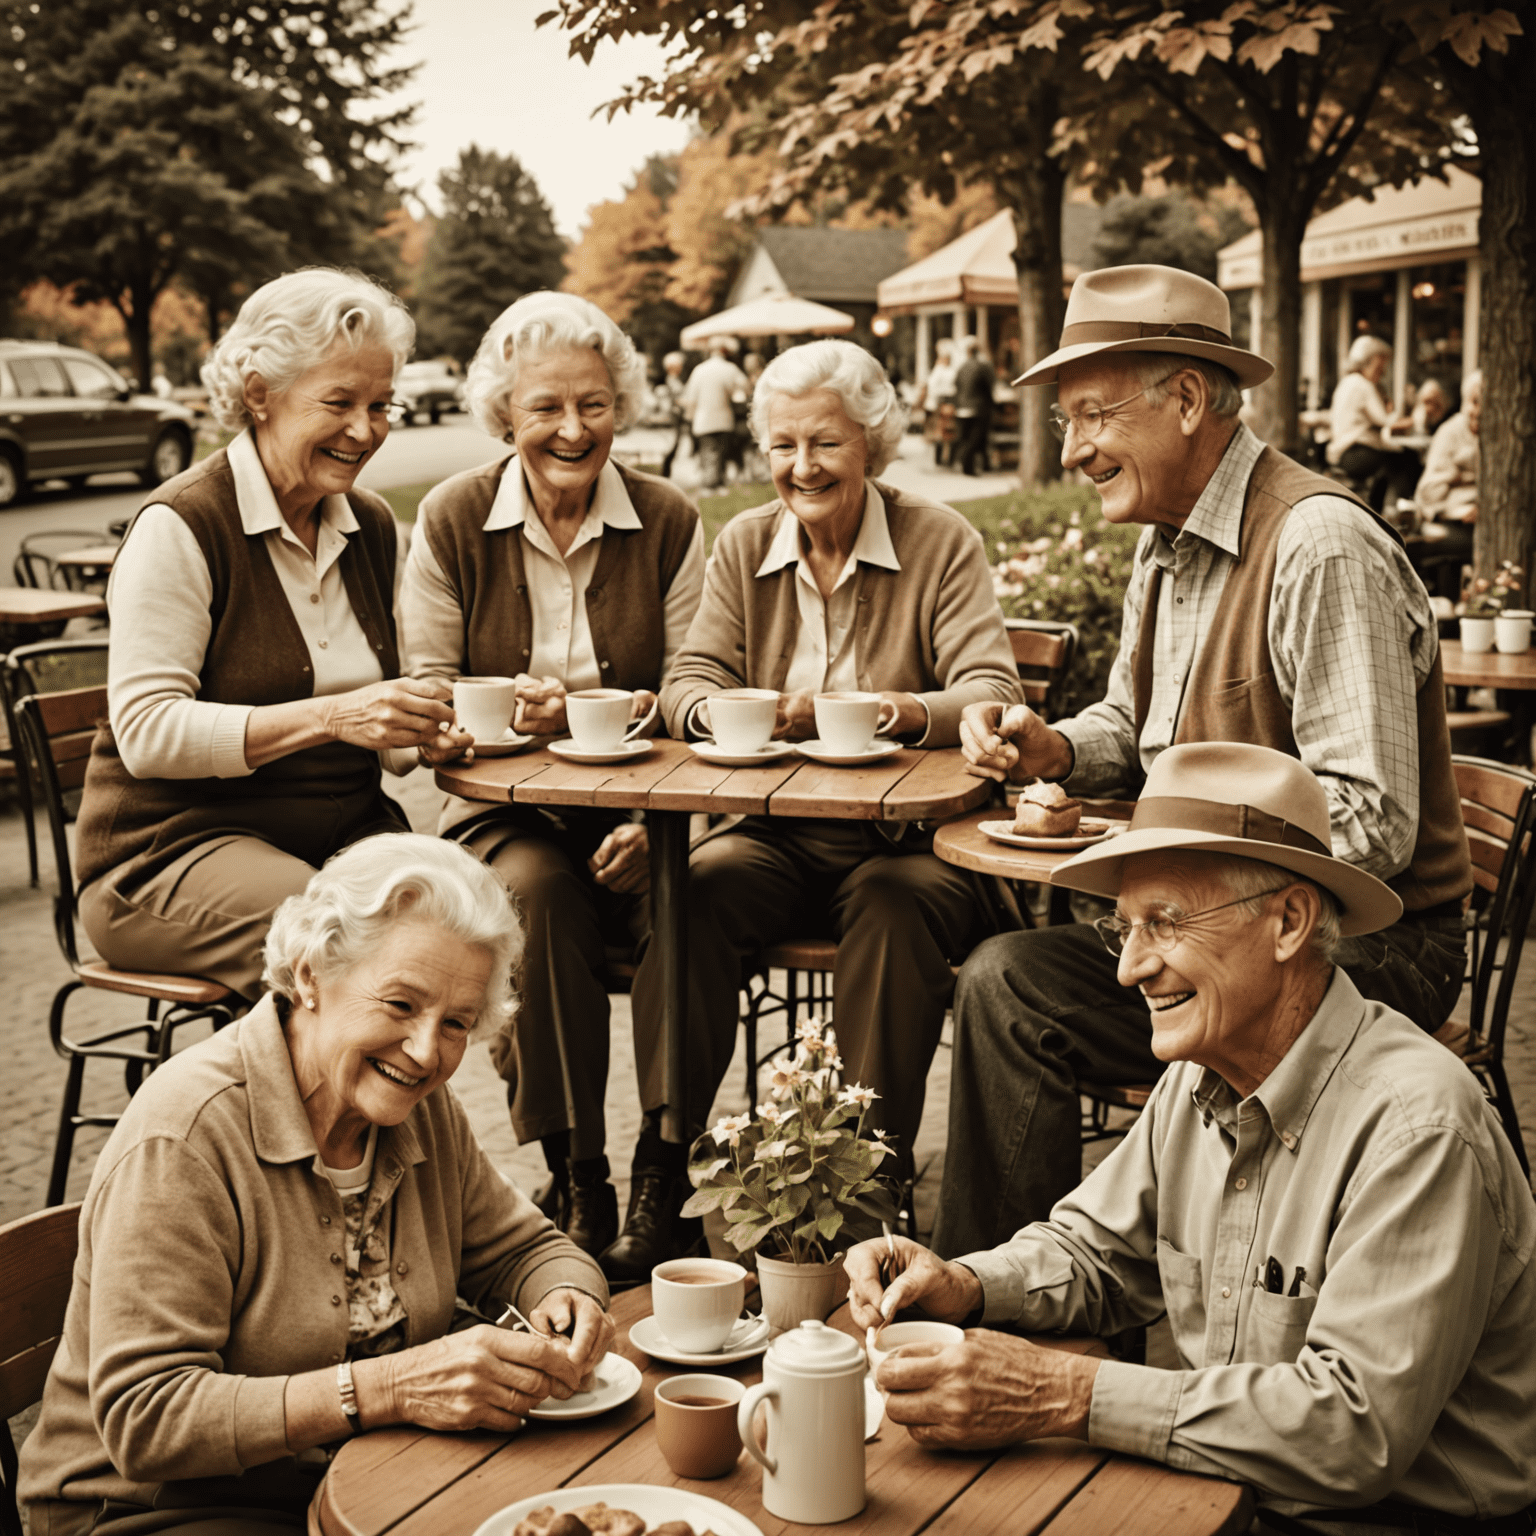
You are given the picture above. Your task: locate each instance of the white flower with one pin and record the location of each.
(769, 1112)
(1072, 538)
(879, 1135)
(858, 1094)
(785, 1081)
(729, 1129)
(809, 1029)
(772, 1149)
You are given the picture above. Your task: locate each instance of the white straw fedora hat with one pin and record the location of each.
(1229, 797)
(1148, 309)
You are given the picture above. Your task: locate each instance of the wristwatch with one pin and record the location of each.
(348, 1395)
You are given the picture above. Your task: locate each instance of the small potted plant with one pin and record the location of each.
(1483, 601)
(798, 1185)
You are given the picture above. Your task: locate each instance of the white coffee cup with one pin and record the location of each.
(697, 1301)
(741, 719)
(893, 1336)
(598, 717)
(483, 705)
(847, 722)
(1512, 631)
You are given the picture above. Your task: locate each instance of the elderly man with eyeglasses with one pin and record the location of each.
(1317, 1196)
(1266, 605)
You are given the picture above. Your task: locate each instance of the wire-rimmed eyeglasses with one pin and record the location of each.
(1090, 420)
(1162, 933)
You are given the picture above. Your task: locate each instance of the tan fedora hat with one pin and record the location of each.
(1148, 309)
(1254, 802)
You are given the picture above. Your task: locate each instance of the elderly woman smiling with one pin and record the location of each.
(844, 583)
(253, 672)
(571, 571)
(277, 1229)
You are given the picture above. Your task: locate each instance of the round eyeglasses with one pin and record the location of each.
(1090, 420)
(1162, 933)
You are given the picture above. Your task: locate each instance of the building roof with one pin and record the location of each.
(836, 265)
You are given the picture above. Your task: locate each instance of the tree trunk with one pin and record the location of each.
(142, 303)
(1500, 106)
(1283, 224)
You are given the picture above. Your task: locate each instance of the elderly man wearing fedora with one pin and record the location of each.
(1266, 605)
(1317, 1196)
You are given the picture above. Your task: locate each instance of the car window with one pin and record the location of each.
(38, 376)
(90, 379)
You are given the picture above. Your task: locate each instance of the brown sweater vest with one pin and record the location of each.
(1232, 694)
(635, 570)
(310, 803)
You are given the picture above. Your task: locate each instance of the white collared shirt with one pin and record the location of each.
(159, 597)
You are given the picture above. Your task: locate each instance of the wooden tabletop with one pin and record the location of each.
(414, 1482)
(91, 556)
(909, 785)
(963, 843)
(1487, 669)
(39, 605)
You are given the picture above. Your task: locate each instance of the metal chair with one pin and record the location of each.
(57, 730)
(47, 666)
(37, 1261)
(36, 564)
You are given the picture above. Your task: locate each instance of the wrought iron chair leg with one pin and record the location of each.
(64, 1145)
(1504, 1102)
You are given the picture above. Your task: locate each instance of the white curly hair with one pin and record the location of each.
(854, 376)
(353, 901)
(292, 323)
(545, 322)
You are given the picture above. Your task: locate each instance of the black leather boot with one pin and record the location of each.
(554, 1196)
(653, 1229)
(592, 1218)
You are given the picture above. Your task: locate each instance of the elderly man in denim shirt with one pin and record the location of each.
(1317, 1196)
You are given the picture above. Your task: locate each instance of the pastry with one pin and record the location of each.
(1046, 810)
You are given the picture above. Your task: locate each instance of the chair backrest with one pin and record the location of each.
(35, 564)
(57, 730)
(55, 666)
(37, 1260)
(1043, 652)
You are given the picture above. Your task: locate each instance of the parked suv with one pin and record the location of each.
(430, 387)
(65, 414)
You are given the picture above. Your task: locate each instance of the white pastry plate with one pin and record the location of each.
(819, 752)
(653, 1504)
(569, 750)
(1097, 829)
(509, 743)
(749, 1337)
(718, 755)
(616, 1380)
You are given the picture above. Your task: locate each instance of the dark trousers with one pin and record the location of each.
(554, 1054)
(973, 442)
(1037, 1013)
(1381, 472)
(714, 454)
(899, 918)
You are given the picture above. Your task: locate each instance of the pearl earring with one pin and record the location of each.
(309, 1003)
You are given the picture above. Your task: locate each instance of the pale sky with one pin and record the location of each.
(489, 77)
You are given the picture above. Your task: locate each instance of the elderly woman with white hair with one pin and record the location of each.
(843, 583)
(253, 673)
(568, 570)
(1360, 416)
(279, 1227)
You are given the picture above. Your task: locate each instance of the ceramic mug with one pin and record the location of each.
(1512, 631)
(846, 722)
(696, 1424)
(893, 1336)
(697, 1301)
(742, 719)
(483, 705)
(599, 718)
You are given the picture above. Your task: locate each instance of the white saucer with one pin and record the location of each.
(653, 1503)
(511, 742)
(1002, 832)
(818, 753)
(569, 750)
(769, 754)
(616, 1380)
(749, 1337)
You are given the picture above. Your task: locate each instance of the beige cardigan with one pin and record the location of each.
(932, 629)
(211, 1269)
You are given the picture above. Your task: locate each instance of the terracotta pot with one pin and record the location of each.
(797, 1293)
(1476, 636)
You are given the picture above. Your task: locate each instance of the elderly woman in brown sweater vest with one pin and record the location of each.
(253, 677)
(569, 571)
(279, 1227)
(844, 583)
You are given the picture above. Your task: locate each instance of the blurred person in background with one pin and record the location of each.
(1360, 416)
(709, 399)
(939, 404)
(1431, 405)
(1448, 488)
(973, 405)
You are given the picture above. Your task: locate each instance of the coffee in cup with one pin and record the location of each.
(483, 705)
(847, 722)
(893, 1336)
(598, 717)
(742, 719)
(697, 1301)
(696, 1424)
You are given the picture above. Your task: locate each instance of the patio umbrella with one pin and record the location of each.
(775, 314)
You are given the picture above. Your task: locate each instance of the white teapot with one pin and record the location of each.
(813, 1465)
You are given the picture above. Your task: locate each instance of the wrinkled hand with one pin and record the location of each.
(403, 712)
(540, 707)
(901, 714)
(795, 719)
(946, 1292)
(645, 702)
(623, 860)
(482, 1378)
(1011, 741)
(446, 747)
(582, 1328)
(989, 1391)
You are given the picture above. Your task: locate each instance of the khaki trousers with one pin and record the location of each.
(899, 919)
(554, 1054)
(204, 914)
